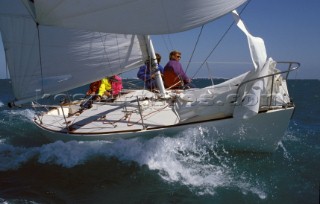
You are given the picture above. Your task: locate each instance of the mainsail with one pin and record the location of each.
(54, 46)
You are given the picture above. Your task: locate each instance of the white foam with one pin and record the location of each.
(25, 113)
(188, 159)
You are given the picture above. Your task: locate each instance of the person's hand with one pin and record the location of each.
(98, 98)
(107, 93)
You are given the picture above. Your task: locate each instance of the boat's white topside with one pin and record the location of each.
(123, 114)
(140, 112)
(260, 133)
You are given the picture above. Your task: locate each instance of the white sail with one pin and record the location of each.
(53, 46)
(47, 60)
(131, 16)
(250, 94)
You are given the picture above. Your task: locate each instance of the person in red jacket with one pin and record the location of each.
(173, 75)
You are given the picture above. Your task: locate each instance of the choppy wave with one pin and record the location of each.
(189, 159)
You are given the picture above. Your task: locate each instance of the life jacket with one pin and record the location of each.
(105, 86)
(171, 79)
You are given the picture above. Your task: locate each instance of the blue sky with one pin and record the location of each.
(290, 29)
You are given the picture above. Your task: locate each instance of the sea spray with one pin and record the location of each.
(187, 159)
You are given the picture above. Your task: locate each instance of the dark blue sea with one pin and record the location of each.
(186, 167)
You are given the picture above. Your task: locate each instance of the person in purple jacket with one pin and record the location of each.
(147, 75)
(173, 75)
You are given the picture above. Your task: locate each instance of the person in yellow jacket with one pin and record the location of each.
(105, 88)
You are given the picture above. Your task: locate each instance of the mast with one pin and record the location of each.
(154, 65)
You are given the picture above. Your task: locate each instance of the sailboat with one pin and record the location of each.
(54, 46)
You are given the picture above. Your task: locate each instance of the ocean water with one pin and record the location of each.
(187, 167)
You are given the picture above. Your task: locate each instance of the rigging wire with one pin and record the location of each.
(103, 37)
(165, 43)
(194, 49)
(29, 9)
(40, 57)
(170, 42)
(218, 43)
(167, 40)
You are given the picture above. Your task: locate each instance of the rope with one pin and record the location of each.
(174, 84)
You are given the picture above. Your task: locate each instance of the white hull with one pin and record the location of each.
(260, 133)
